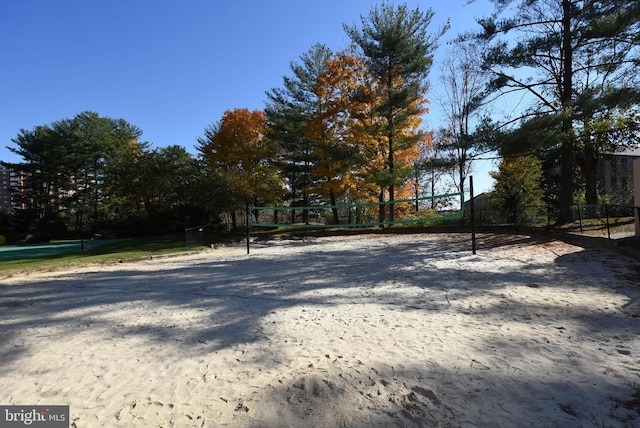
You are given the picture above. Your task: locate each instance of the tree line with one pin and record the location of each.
(347, 127)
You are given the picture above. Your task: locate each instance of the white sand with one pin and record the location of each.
(390, 330)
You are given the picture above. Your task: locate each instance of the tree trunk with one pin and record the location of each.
(392, 187)
(305, 211)
(256, 213)
(566, 150)
(588, 163)
(566, 183)
(332, 199)
(462, 180)
(381, 208)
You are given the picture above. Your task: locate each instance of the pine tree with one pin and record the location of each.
(289, 109)
(566, 55)
(396, 46)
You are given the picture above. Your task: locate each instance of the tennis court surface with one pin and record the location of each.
(30, 251)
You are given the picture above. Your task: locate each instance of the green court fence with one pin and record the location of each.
(407, 211)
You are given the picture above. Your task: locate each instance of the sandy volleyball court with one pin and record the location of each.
(389, 330)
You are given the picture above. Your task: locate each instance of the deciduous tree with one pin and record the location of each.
(336, 127)
(464, 90)
(237, 146)
(517, 187)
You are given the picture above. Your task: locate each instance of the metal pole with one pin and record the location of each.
(606, 213)
(473, 217)
(580, 219)
(248, 221)
(81, 232)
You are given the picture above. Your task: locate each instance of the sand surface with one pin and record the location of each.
(364, 331)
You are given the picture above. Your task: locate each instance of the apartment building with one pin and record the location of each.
(616, 172)
(10, 181)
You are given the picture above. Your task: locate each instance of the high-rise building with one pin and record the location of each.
(11, 181)
(615, 173)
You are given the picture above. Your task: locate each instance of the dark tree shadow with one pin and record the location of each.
(233, 296)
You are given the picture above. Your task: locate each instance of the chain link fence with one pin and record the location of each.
(603, 220)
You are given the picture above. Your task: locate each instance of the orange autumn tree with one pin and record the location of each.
(334, 127)
(396, 148)
(352, 151)
(410, 142)
(237, 147)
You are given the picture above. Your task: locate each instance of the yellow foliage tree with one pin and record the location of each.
(353, 155)
(335, 128)
(237, 147)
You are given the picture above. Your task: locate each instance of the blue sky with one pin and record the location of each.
(173, 67)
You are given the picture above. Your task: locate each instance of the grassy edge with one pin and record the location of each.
(105, 254)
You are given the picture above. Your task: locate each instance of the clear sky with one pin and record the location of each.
(173, 67)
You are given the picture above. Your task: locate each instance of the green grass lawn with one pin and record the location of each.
(42, 259)
(598, 226)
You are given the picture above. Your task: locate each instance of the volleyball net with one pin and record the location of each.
(199, 236)
(416, 211)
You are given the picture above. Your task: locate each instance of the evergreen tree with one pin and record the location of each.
(289, 110)
(396, 46)
(565, 54)
(93, 144)
(43, 162)
(70, 165)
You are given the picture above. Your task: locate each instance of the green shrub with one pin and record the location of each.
(3, 240)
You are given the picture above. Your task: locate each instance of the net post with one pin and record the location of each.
(473, 216)
(248, 221)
